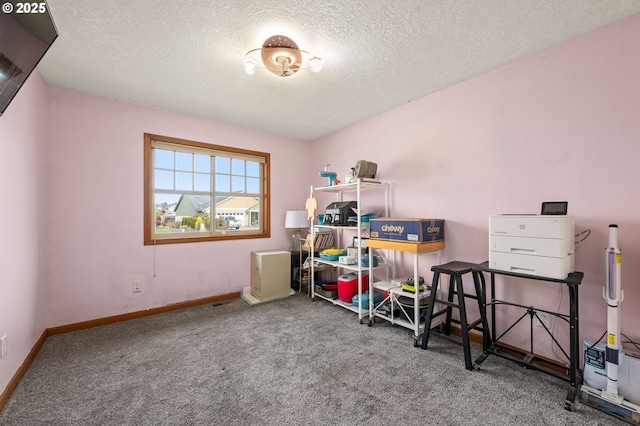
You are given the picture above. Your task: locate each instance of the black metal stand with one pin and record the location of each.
(527, 359)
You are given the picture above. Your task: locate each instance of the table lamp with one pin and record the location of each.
(296, 219)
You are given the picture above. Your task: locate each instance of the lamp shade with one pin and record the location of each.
(296, 219)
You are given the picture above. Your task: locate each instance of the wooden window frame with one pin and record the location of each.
(150, 238)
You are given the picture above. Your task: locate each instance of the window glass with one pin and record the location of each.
(223, 183)
(253, 185)
(164, 179)
(164, 159)
(237, 184)
(223, 165)
(202, 163)
(184, 181)
(203, 192)
(202, 182)
(237, 167)
(253, 169)
(184, 161)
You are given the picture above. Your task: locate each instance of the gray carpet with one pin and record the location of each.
(286, 362)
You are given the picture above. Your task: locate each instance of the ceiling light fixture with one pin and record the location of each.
(282, 57)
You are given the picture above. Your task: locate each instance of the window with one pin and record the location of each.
(195, 191)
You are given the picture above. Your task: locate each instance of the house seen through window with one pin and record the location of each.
(196, 191)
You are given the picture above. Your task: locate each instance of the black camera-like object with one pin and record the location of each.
(338, 213)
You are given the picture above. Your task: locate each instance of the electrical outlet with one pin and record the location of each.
(137, 286)
(543, 318)
(5, 346)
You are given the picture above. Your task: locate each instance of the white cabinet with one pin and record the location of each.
(344, 236)
(399, 306)
(270, 274)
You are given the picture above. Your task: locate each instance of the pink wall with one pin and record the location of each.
(96, 179)
(555, 126)
(23, 203)
(559, 125)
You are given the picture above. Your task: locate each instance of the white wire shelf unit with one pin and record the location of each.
(351, 190)
(391, 304)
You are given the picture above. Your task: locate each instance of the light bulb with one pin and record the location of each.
(249, 66)
(316, 64)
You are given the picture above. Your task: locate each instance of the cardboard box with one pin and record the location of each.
(413, 230)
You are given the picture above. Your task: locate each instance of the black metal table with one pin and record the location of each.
(491, 341)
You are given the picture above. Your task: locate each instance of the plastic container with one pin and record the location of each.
(329, 290)
(365, 260)
(329, 256)
(377, 298)
(348, 285)
(333, 254)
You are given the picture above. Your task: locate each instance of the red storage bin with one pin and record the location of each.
(348, 285)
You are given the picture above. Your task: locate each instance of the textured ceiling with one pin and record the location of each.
(186, 56)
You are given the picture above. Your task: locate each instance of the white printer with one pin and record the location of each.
(541, 245)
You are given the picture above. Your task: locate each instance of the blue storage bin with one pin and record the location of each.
(377, 298)
(365, 260)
